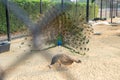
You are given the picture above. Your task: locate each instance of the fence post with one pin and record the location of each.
(101, 9)
(114, 9)
(106, 9)
(62, 4)
(94, 9)
(111, 10)
(117, 8)
(87, 11)
(40, 6)
(7, 20)
(76, 6)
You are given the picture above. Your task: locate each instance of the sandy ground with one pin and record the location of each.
(102, 62)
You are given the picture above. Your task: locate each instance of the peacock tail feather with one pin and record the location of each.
(59, 25)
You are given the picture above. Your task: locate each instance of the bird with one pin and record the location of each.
(62, 59)
(72, 30)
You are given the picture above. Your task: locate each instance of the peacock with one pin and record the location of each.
(61, 28)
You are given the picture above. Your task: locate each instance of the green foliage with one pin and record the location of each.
(92, 1)
(32, 7)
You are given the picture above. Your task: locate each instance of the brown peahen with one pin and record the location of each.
(63, 59)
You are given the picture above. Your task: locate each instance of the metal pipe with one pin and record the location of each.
(7, 20)
(76, 5)
(106, 9)
(94, 9)
(111, 11)
(117, 8)
(62, 3)
(87, 11)
(101, 9)
(114, 9)
(40, 6)
(76, 12)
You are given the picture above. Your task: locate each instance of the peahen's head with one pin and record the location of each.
(79, 61)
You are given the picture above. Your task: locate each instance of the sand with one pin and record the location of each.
(102, 62)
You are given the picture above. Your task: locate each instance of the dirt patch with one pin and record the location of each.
(102, 62)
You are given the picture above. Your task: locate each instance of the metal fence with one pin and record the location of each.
(12, 22)
(108, 8)
(17, 10)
